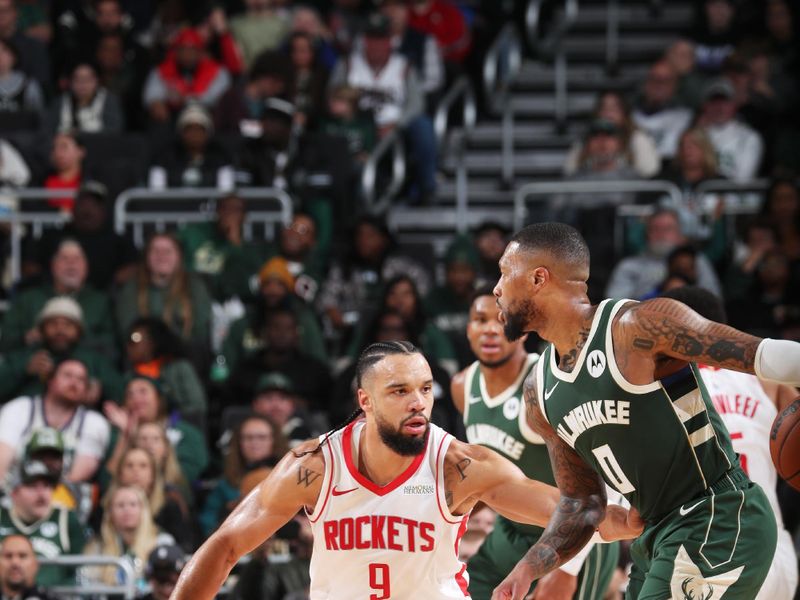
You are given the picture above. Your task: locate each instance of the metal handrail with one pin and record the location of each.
(498, 78)
(36, 219)
(392, 142)
(122, 217)
(549, 43)
(128, 589)
(546, 188)
(551, 46)
(501, 67)
(462, 91)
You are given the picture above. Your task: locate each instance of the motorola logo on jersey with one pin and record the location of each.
(511, 408)
(379, 532)
(596, 363)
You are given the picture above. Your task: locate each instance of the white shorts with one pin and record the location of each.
(781, 581)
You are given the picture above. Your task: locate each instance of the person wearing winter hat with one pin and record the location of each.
(276, 286)
(69, 269)
(194, 158)
(61, 326)
(187, 74)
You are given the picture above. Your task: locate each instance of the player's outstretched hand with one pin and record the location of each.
(515, 585)
(621, 524)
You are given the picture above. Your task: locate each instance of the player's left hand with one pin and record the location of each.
(621, 524)
(556, 585)
(515, 585)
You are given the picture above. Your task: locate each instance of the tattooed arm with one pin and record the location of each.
(663, 329)
(294, 483)
(580, 509)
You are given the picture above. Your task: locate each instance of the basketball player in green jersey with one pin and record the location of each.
(488, 393)
(616, 397)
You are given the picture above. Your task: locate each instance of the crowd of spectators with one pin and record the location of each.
(145, 390)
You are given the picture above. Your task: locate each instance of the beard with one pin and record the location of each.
(517, 322)
(404, 445)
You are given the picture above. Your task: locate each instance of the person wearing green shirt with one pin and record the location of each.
(163, 288)
(217, 250)
(448, 305)
(53, 531)
(245, 336)
(60, 330)
(68, 269)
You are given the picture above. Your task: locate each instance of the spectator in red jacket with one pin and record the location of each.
(186, 75)
(66, 159)
(446, 23)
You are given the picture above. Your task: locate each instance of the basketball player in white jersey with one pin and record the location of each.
(748, 407)
(388, 497)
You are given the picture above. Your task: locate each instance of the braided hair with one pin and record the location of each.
(369, 357)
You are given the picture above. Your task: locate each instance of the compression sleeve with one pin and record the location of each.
(778, 360)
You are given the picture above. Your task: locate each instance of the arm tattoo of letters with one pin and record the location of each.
(643, 344)
(306, 476)
(465, 462)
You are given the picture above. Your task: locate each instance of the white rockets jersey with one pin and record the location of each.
(748, 414)
(397, 541)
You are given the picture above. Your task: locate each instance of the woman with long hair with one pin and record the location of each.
(127, 530)
(163, 288)
(639, 149)
(782, 208)
(152, 436)
(401, 294)
(86, 106)
(145, 401)
(255, 443)
(138, 467)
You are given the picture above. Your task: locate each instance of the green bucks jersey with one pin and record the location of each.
(500, 423)
(57, 534)
(659, 444)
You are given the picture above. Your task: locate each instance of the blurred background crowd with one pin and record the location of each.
(146, 387)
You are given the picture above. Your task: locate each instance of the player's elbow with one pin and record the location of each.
(594, 510)
(223, 544)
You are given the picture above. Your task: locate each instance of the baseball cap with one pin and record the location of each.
(377, 25)
(165, 558)
(34, 470)
(45, 438)
(194, 114)
(277, 107)
(93, 188)
(61, 306)
(719, 88)
(274, 381)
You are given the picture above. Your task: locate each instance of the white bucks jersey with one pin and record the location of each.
(748, 414)
(396, 541)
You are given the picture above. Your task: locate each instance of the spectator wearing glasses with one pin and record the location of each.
(154, 351)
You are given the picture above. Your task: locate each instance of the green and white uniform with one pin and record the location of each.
(500, 423)
(710, 531)
(57, 534)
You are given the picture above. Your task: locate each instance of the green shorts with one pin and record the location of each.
(502, 549)
(719, 543)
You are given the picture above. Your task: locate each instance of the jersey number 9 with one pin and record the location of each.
(379, 580)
